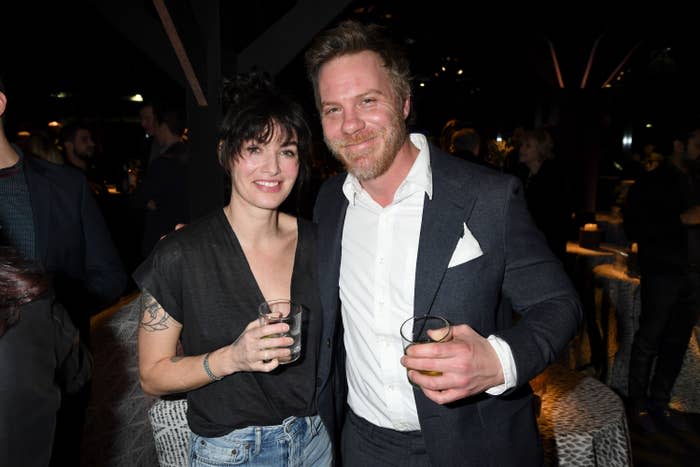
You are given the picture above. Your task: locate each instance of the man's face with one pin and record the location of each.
(83, 146)
(147, 120)
(693, 148)
(362, 119)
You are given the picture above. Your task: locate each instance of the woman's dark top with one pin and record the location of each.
(200, 276)
(39, 356)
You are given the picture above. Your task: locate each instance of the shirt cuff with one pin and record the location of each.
(505, 356)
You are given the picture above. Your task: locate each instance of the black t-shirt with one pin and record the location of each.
(200, 276)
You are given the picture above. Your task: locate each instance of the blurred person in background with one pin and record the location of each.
(163, 192)
(662, 214)
(49, 215)
(41, 145)
(41, 355)
(547, 189)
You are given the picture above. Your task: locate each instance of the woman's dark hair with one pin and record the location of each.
(253, 109)
(21, 282)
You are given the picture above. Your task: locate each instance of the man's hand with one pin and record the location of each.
(468, 363)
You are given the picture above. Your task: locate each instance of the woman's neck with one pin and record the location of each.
(252, 225)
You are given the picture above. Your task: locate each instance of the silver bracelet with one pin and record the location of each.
(208, 371)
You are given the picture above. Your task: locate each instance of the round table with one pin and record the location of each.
(587, 348)
(612, 226)
(582, 421)
(620, 301)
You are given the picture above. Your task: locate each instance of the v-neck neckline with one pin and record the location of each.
(250, 277)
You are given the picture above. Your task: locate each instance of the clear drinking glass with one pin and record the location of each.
(283, 311)
(424, 330)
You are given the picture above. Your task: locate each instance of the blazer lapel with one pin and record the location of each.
(442, 226)
(330, 233)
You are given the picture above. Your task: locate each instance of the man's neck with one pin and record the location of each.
(383, 188)
(8, 156)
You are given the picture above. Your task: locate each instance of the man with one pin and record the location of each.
(78, 145)
(465, 143)
(410, 231)
(79, 152)
(48, 214)
(662, 215)
(148, 123)
(163, 193)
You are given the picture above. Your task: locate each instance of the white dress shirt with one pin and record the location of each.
(377, 285)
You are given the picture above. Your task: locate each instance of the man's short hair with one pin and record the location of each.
(69, 131)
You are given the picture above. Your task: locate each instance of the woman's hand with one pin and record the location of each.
(257, 349)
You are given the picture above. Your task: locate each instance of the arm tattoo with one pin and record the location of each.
(154, 317)
(176, 358)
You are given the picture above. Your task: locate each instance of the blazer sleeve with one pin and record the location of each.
(105, 277)
(539, 289)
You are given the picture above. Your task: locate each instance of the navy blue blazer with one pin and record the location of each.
(72, 240)
(516, 264)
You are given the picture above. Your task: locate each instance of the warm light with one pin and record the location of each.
(634, 248)
(648, 125)
(54, 124)
(422, 85)
(24, 134)
(460, 71)
(608, 85)
(499, 138)
(136, 98)
(590, 227)
(60, 95)
(443, 68)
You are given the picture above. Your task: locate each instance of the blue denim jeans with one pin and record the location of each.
(296, 442)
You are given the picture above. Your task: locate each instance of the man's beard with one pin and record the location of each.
(380, 159)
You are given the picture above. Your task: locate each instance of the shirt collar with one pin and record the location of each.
(419, 178)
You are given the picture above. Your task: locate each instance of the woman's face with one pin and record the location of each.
(264, 174)
(529, 152)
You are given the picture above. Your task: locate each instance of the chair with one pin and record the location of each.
(170, 432)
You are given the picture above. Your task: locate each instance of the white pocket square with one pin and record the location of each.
(467, 249)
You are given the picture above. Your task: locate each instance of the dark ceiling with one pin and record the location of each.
(508, 73)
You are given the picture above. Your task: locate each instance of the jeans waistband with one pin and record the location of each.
(292, 424)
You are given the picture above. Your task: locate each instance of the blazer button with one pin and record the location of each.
(328, 343)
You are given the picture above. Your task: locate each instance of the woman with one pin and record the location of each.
(202, 285)
(547, 189)
(40, 355)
